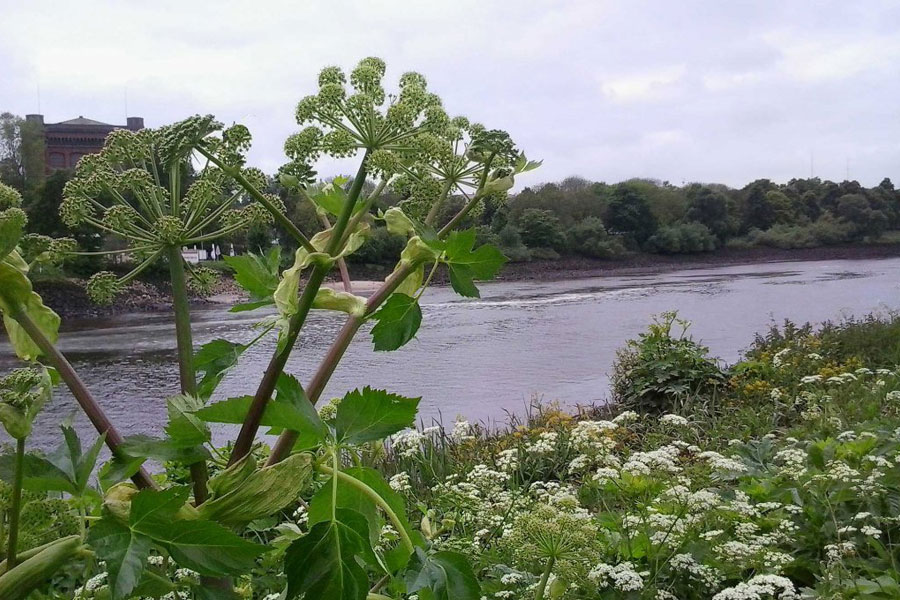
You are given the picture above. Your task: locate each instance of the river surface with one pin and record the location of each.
(478, 358)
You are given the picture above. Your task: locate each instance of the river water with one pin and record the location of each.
(474, 357)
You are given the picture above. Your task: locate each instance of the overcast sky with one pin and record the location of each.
(715, 91)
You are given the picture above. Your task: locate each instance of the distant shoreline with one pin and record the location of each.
(68, 298)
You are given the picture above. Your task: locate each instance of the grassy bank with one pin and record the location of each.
(777, 482)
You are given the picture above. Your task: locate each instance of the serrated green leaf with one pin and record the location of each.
(398, 320)
(144, 446)
(256, 274)
(323, 563)
(125, 552)
(207, 547)
(461, 280)
(214, 359)
(367, 415)
(351, 497)
(184, 427)
(278, 415)
(447, 575)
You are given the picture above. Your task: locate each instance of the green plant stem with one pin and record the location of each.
(244, 442)
(185, 343)
(286, 440)
(16, 506)
(280, 217)
(84, 398)
(436, 207)
(377, 499)
(545, 576)
(341, 263)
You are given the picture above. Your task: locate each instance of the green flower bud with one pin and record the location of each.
(22, 394)
(119, 218)
(203, 280)
(305, 145)
(61, 247)
(75, 210)
(402, 115)
(383, 163)
(430, 147)
(411, 78)
(298, 170)
(331, 75)
(178, 140)
(236, 142)
(256, 177)
(330, 96)
(15, 218)
(234, 218)
(256, 215)
(306, 109)
(33, 245)
(90, 164)
(415, 96)
(169, 230)
(123, 146)
(339, 143)
(203, 192)
(103, 287)
(9, 197)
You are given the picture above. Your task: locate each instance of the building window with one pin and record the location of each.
(57, 160)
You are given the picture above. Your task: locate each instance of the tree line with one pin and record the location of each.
(573, 217)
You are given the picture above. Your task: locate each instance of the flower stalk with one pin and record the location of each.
(16, 505)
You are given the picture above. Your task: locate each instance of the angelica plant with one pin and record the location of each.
(136, 189)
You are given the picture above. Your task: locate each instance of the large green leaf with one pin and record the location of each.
(324, 565)
(124, 551)
(214, 359)
(467, 265)
(184, 427)
(446, 575)
(17, 296)
(351, 497)
(260, 493)
(257, 274)
(207, 547)
(398, 321)
(367, 415)
(289, 391)
(278, 415)
(161, 449)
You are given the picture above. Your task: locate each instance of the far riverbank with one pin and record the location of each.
(68, 298)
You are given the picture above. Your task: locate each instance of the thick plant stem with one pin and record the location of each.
(286, 440)
(341, 263)
(183, 335)
(87, 402)
(185, 343)
(16, 506)
(244, 441)
(329, 363)
(250, 426)
(545, 576)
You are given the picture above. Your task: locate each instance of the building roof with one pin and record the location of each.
(82, 121)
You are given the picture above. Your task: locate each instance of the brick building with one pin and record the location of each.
(68, 141)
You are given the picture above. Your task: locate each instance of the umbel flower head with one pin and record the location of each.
(408, 137)
(140, 187)
(22, 394)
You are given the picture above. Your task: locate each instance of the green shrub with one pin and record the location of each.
(662, 371)
(590, 238)
(510, 243)
(541, 229)
(682, 238)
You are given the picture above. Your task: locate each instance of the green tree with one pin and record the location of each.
(21, 152)
(710, 208)
(629, 213)
(541, 229)
(590, 238)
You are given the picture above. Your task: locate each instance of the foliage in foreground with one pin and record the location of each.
(217, 526)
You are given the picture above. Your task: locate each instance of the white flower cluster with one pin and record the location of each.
(622, 577)
(761, 587)
(544, 444)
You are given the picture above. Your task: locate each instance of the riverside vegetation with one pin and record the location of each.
(776, 477)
